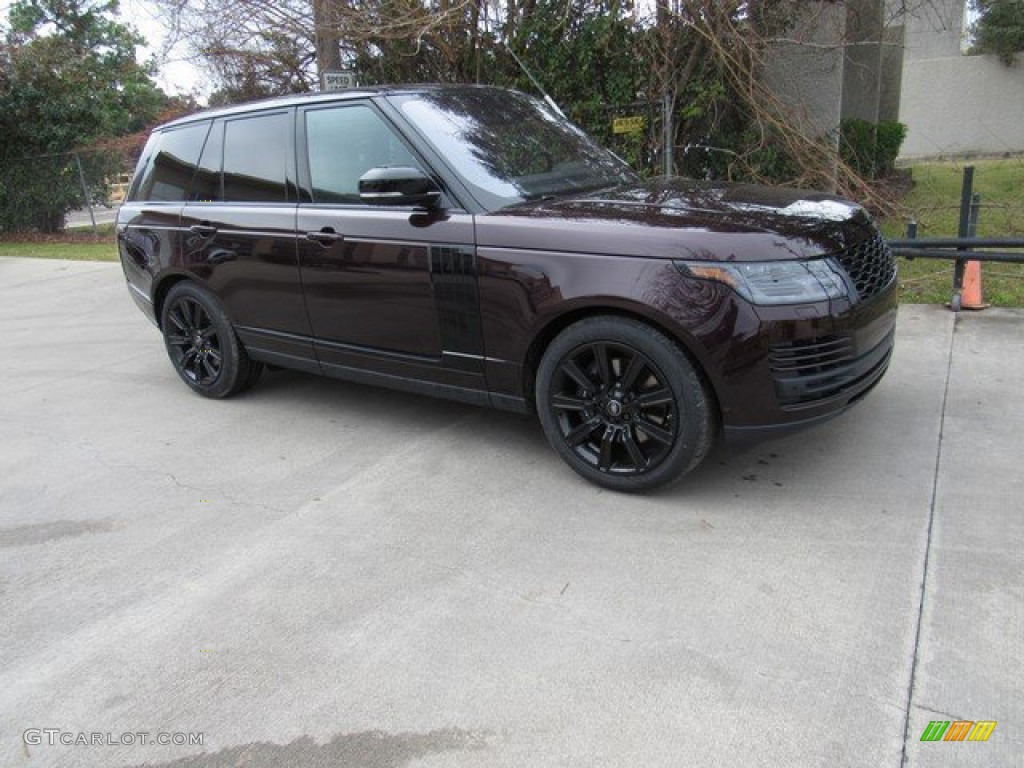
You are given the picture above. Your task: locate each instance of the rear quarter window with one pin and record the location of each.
(168, 164)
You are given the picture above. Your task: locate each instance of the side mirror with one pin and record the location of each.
(399, 186)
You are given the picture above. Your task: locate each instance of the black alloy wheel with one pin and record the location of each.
(192, 339)
(202, 345)
(623, 405)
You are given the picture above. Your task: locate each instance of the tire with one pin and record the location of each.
(202, 345)
(622, 404)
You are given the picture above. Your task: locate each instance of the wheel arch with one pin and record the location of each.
(555, 325)
(164, 285)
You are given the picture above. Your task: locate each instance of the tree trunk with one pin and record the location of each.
(328, 50)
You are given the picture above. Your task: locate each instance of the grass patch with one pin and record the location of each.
(76, 251)
(934, 202)
(74, 244)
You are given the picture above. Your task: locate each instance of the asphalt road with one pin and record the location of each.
(322, 574)
(81, 219)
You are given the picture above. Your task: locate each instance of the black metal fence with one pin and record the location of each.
(963, 248)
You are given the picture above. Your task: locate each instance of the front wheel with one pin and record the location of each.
(202, 344)
(623, 405)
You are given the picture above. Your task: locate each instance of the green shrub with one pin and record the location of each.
(871, 148)
(887, 148)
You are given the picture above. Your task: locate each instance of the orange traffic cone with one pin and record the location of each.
(971, 297)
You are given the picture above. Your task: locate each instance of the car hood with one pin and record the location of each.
(683, 219)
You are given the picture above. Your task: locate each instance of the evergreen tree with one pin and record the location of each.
(999, 28)
(69, 80)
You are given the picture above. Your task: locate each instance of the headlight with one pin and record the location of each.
(773, 282)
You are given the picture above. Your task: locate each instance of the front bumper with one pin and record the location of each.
(743, 436)
(810, 370)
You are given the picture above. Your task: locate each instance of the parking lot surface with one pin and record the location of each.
(324, 574)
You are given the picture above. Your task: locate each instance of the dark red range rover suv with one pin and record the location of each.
(468, 242)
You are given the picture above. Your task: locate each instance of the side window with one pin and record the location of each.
(206, 186)
(143, 178)
(343, 144)
(255, 152)
(169, 168)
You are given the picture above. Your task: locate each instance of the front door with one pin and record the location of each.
(373, 276)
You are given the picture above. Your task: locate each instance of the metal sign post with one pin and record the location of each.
(85, 193)
(666, 118)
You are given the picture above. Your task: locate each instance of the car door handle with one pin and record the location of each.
(325, 236)
(203, 230)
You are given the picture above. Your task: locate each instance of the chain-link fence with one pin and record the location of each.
(37, 192)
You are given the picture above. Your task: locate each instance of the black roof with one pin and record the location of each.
(277, 102)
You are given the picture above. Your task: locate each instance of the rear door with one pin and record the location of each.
(240, 234)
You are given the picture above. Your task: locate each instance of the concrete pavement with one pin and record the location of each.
(323, 574)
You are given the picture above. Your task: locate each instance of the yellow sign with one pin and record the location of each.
(628, 125)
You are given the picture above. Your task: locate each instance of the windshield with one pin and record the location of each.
(509, 147)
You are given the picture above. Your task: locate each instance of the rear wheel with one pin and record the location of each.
(202, 345)
(622, 404)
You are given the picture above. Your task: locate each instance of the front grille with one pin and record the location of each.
(811, 370)
(870, 265)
